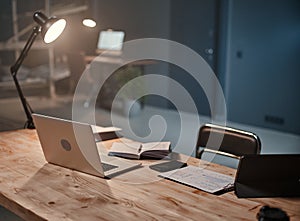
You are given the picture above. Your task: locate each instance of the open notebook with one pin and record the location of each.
(137, 150)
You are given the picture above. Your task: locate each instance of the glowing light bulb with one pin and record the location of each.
(55, 30)
(89, 23)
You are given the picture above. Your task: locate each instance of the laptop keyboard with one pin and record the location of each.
(107, 167)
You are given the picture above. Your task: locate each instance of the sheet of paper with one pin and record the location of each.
(130, 148)
(156, 146)
(98, 129)
(200, 178)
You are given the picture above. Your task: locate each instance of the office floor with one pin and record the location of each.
(12, 117)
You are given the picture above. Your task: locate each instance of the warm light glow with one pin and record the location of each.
(55, 30)
(89, 23)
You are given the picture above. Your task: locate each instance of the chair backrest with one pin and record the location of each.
(234, 143)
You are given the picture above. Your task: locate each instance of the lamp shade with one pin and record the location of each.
(51, 28)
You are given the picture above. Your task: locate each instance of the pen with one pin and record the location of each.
(140, 148)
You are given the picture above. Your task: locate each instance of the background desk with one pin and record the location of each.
(36, 190)
(116, 60)
(102, 67)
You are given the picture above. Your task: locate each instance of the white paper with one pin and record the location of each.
(126, 148)
(200, 178)
(98, 129)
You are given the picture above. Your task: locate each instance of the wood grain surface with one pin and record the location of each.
(36, 190)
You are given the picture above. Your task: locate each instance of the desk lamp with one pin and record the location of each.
(50, 28)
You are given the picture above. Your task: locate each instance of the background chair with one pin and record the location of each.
(234, 144)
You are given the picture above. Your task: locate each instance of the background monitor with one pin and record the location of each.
(111, 40)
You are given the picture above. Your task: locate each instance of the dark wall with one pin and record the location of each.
(264, 69)
(140, 19)
(258, 40)
(194, 24)
(6, 31)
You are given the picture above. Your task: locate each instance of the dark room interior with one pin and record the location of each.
(251, 46)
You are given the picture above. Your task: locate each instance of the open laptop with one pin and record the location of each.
(72, 145)
(275, 175)
(110, 42)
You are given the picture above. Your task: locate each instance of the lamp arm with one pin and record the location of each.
(14, 70)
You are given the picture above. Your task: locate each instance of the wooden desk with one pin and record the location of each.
(117, 60)
(36, 190)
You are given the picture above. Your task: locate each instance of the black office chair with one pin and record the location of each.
(226, 141)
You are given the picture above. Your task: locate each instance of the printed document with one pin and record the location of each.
(201, 178)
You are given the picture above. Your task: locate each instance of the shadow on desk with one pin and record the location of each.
(57, 185)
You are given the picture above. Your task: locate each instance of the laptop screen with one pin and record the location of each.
(268, 175)
(110, 40)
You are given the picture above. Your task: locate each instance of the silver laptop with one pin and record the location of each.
(110, 42)
(72, 145)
